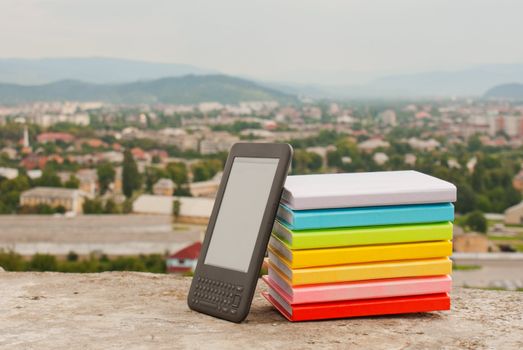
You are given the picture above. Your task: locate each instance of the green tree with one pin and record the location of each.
(176, 208)
(106, 174)
(72, 256)
(127, 206)
(10, 191)
(73, 182)
(466, 199)
(474, 143)
(306, 162)
(178, 173)
(11, 261)
(183, 191)
(111, 207)
(130, 176)
(49, 178)
(477, 221)
(206, 169)
(152, 175)
(93, 206)
(42, 262)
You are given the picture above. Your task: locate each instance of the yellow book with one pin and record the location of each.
(359, 254)
(360, 272)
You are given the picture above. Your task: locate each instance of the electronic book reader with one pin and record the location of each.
(239, 229)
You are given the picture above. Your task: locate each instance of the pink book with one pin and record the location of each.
(370, 289)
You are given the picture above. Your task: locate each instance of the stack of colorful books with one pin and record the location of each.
(347, 245)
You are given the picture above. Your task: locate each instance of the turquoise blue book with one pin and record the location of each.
(365, 216)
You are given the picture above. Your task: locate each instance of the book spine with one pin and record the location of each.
(370, 272)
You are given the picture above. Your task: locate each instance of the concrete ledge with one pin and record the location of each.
(138, 310)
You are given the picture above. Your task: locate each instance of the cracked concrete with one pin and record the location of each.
(126, 310)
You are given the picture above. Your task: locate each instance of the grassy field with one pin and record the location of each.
(465, 267)
(514, 241)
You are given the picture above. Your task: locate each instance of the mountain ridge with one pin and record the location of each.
(506, 91)
(188, 89)
(101, 70)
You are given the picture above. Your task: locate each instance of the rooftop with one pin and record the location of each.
(189, 206)
(55, 192)
(137, 310)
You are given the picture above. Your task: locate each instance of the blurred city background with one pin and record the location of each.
(116, 118)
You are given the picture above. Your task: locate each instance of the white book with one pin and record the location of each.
(380, 188)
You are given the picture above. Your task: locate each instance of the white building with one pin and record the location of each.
(380, 158)
(8, 173)
(372, 144)
(424, 145)
(388, 117)
(192, 210)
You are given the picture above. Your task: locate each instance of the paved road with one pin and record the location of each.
(505, 274)
(111, 234)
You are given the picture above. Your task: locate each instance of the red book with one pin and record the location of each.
(357, 308)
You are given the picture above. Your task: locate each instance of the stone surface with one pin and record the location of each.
(137, 310)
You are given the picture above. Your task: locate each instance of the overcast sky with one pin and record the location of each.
(286, 40)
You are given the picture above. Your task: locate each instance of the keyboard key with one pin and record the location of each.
(208, 304)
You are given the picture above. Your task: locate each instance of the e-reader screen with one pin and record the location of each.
(241, 213)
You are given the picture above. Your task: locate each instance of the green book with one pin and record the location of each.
(368, 235)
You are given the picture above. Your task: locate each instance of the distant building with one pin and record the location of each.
(183, 142)
(470, 243)
(11, 153)
(192, 210)
(425, 145)
(259, 133)
(471, 164)
(207, 188)
(54, 137)
(47, 120)
(184, 260)
(388, 117)
(372, 144)
(72, 200)
(8, 173)
(34, 161)
(111, 157)
(26, 146)
(423, 115)
(322, 152)
(512, 125)
(410, 159)
(118, 180)
(140, 154)
(217, 142)
(88, 181)
(453, 164)
(34, 174)
(164, 187)
(380, 158)
(345, 119)
(205, 107)
(517, 181)
(514, 215)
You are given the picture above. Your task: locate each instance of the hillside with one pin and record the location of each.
(178, 90)
(96, 70)
(473, 81)
(506, 91)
